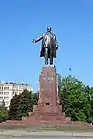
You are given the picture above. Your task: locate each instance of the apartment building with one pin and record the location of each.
(9, 89)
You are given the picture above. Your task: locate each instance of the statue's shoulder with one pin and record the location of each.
(45, 33)
(54, 36)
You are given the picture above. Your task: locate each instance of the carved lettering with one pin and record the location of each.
(48, 78)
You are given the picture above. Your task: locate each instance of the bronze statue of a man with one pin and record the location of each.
(49, 45)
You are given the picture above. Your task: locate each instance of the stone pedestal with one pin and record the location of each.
(48, 108)
(48, 95)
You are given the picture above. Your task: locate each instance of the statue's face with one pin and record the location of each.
(48, 29)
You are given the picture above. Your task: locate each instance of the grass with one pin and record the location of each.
(47, 128)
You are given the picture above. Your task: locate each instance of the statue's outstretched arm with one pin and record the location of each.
(38, 39)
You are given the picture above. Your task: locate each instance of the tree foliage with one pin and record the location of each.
(22, 104)
(12, 114)
(75, 99)
(3, 114)
(35, 98)
(25, 104)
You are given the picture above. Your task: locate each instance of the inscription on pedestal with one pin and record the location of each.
(48, 86)
(48, 78)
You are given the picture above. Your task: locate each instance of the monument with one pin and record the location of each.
(48, 108)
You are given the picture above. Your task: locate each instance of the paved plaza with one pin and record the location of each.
(45, 135)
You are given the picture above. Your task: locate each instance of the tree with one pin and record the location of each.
(35, 98)
(3, 115)
(91, 103)
(25, 104)
(65, 103)
(12, 114)
(2, 104)
(75, 99)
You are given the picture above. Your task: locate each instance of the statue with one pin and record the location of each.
(49, 46)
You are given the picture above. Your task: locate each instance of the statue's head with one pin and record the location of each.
(48, 29)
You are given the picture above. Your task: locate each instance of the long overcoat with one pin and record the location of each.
(51, 49)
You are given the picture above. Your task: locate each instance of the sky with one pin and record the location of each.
(23, 20)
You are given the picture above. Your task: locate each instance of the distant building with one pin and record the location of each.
(9, 89)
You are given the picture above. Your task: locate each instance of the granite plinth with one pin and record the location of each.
(48, 108)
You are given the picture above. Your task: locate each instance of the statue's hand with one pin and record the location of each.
(33, 40)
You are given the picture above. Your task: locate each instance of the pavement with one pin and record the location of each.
(20, 134)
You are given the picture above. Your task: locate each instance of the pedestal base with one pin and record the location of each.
(48, 108)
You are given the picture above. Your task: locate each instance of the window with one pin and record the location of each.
(6, 98)
(1, 93)
(15, 87)
(6, 88)
(6, 93)
(1, 97)
(1, 88)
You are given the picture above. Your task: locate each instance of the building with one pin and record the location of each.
(9, 89)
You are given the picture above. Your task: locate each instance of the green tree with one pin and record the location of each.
(75, 99)
(3, 115)
(91, 103)
(14, 104)
(65, 103)
(25, 104)
(2, 104)
(35, 98)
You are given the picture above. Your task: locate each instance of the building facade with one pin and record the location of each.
(8, 90)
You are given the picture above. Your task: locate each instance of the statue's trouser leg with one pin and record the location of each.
(46, 56)
(51, 60)
(51, 57)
